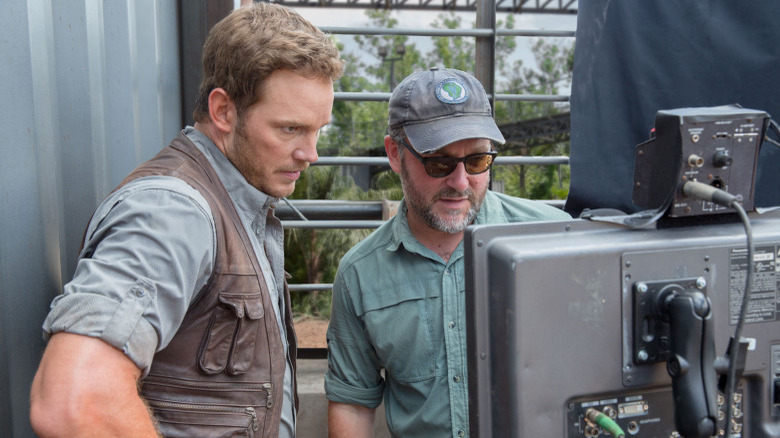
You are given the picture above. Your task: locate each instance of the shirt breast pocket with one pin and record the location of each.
(405, 325)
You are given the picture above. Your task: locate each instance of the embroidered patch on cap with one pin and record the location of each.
(452, 90)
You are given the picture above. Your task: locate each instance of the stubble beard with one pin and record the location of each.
(454, 221)
(246, 163)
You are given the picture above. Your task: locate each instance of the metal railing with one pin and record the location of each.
(568, 7)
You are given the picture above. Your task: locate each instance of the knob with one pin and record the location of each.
(722, 159)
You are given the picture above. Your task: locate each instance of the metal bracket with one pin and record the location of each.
(651, 326)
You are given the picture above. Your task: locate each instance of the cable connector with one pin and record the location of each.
(705, 192)
(609, 425)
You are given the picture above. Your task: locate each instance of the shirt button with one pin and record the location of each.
(456, 379)
(461, 432)
(451, 324)
(447, 271)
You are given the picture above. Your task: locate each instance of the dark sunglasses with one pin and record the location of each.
(439, 167)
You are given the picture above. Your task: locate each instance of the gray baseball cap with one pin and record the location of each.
(441, 106)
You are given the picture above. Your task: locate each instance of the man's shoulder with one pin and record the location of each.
(143, 186)
(165, 196)
(521, 210)
(371, 247)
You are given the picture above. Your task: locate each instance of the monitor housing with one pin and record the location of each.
(558, 323)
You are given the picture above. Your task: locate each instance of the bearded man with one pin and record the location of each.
(397, 330)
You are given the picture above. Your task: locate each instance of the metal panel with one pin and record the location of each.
(91, 90)
(196, 19)
(551, 313)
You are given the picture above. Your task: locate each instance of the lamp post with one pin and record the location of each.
(400, 49)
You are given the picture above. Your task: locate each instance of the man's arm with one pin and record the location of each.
(346, 420)
(86, 387)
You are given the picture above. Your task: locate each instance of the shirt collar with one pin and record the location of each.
(401, 233)
(492, 210)
(251, 204)
(401, 236)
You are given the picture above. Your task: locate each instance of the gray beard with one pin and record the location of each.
(413, 201)
(450, 227)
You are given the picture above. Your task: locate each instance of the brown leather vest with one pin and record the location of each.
(223, 372)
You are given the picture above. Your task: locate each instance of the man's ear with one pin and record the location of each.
(222, 110)
(393, 153)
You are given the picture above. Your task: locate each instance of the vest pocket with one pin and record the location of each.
(180, 420)
(229, 342)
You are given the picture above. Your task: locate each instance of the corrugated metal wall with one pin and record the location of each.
(90, 89)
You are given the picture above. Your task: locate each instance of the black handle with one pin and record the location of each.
(694, 382)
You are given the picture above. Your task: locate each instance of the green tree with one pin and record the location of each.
(451, 52)
(556, 63)
(459, 52)
(370, 46)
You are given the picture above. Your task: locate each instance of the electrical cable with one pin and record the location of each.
(776, 128)
(732, 373)
(606, 423)
(708, 193)
(298, 212)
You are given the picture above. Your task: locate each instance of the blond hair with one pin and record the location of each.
(245, 47)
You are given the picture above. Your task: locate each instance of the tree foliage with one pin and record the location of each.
(555, 61)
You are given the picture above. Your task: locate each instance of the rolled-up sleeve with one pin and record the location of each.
(148, 250)
(353, 374)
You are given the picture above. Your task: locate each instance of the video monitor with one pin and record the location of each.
(565, 322)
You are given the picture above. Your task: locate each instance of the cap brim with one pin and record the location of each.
(431, 136)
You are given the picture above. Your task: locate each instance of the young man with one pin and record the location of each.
(398, 296)
(180, 291)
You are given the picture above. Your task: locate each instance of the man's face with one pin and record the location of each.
(449, 203)
(276, 138)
